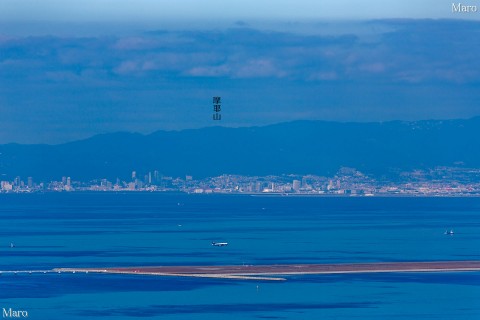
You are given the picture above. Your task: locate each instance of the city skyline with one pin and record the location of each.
(438, 181)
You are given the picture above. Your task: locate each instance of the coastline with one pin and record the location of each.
(294, 195)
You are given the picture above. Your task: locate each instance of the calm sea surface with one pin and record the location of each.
(137, 229)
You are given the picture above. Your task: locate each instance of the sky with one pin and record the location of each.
(188, 10)
(73, 69)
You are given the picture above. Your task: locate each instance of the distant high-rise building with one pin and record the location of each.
(30, 182)
(330, 185)
(156, 176)
(69, 181)
(6, 186)
(188, 178)
(64, 181)
(149, 177)
(296, 185)
(134, 175)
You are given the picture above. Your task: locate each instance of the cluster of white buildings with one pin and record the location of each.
(441, 181)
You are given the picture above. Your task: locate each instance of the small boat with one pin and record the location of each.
(219, 244)
(449, 232)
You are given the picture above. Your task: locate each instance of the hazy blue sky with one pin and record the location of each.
(71, 69)
(154, 10)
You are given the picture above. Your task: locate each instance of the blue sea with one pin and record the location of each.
(139, 229)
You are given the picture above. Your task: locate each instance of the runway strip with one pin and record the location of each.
(272, 272)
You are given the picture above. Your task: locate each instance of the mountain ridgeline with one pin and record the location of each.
(300, 147)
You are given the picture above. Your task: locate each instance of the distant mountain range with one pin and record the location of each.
(301, 147)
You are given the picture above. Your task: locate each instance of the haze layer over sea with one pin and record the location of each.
(45, 231)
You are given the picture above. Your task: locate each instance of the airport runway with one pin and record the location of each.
(274, 272)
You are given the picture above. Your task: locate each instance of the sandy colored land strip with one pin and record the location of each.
(265, 272)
